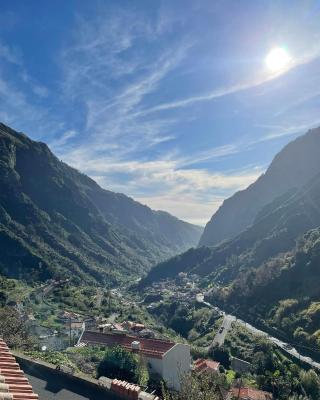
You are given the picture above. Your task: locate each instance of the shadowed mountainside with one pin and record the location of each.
(55, 220)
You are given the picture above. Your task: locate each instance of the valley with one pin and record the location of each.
(159, 200)
(82, 266)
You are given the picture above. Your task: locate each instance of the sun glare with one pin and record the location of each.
(277, 59)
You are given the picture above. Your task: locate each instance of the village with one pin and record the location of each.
(165, 357)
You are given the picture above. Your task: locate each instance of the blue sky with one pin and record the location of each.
(170, 102)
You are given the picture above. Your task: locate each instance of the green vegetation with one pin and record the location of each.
(57, 222)
(283, 293)
(121, 364)
(52, 357)
(189, 320)
(13, 330)
(198, 387)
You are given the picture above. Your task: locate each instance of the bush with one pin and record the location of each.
(13, 329)
(119, 363)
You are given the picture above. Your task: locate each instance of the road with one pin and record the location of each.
(224, 327)
(223, 330)
(226, 324)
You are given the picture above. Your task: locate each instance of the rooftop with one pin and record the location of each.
(206, 365)
(13, 383)
(154, 348)
(247, 393)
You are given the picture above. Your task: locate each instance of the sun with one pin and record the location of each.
(277, 59)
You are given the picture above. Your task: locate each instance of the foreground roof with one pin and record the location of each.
(13, 383)
(154, 348)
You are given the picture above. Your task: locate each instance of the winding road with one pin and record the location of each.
(227, 323)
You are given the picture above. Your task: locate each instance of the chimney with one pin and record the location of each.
(135, 345)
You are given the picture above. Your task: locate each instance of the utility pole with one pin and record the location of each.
(239, 391)
(70, 331)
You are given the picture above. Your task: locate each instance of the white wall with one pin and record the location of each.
(176, 364)
(155, 365)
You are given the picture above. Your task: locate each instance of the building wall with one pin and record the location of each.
(155, 365)
(176, 364)
(239, 365)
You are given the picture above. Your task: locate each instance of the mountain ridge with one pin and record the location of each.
(274, 231)
(290, 169)
(54, 214)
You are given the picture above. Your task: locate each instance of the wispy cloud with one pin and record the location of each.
(128, 83)
(232, 89)
(165, 184)
(59, 143)
(10, 55)
(105, 51)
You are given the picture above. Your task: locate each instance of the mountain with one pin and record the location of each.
(291, 169)
(269, 273)
(274, 231)
(56, 221)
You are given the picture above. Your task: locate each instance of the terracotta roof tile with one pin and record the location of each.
(206, 365)
(247, 393)
(155, 348)
(13, 383)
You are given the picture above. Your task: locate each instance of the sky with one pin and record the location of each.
(170, 102)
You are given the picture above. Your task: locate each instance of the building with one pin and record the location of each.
(168, 359)
(132, 326)
(239, 365)
(247, 393)
(202, 365)
(13, 383)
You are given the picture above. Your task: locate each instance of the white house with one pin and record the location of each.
(168, 359)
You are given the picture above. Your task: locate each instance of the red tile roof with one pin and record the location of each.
(13, 384)
(206, 365)
(247, 393)
(154, 348)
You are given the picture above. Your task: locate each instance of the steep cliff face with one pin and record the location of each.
(55, 220)
(291, 169)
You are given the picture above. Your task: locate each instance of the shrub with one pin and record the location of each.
(119, 363)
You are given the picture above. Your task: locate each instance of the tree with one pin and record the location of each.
(3, 298)
(12, 328)
(311, 383)
(119, 363)
(221, 355)
(194, 386)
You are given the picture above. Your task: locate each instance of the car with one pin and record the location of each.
(221, 329)
(287, 346)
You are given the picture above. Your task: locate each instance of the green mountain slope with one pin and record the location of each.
(270, 272)
(283, 293)
(55, 220)
(275, 231)
(292, 168)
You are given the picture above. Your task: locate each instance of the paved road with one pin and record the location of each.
(224, 327)
(284, 346)
(223, 330)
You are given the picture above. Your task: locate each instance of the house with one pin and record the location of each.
(247, 393)
(111, 327)
(132, 326)
(168, 359)
(13, 383)
(202, 365)
(239, 365)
